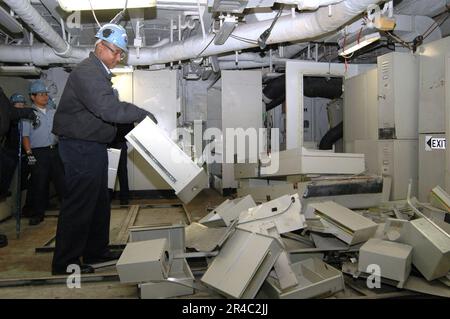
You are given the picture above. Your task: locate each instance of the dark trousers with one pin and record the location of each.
(7, 166)
(48, 168)
(122, 171)
(83, 224)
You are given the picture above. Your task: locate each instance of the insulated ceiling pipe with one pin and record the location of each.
(31, 16)
(305, 26)
(39, 54)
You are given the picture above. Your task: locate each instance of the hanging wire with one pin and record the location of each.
(399, 40)
(243, 39)
(119, 16)
(436, 25)
(93, 13)
(346, 57)
(198, 55)
(265, 35)
(411, 45)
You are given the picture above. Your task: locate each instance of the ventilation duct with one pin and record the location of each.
(31, 16)
(275, 91)
(305, 26)
(9, 22)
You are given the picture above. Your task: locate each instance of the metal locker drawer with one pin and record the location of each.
(242, 264)
(167, 158)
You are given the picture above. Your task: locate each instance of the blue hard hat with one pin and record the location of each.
(114, 34)
(17, 98)
(38, 86)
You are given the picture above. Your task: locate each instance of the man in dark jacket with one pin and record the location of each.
(9, 113)
(11, 148)
(83, 122)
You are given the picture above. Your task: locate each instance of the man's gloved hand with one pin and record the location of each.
(152, 117)
(31, 159)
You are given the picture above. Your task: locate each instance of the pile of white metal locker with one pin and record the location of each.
(280, 249)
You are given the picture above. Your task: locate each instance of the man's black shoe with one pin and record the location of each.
(35, 221)
(111, 255)
(84, 269)
(124, 202)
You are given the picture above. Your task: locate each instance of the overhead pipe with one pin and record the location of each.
(41, 55)
(331, 137)
(275, 91)
(37, 23)
(305, 26)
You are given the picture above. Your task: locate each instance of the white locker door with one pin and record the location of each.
(241, 108)
(155, 91)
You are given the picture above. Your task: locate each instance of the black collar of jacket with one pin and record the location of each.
(99, 63)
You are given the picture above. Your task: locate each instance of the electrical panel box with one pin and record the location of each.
(399, 159)
(167, 158)
(431, 166)
(315, 279)
(144, 261)
(398, 100)
(394, 259)
(242, 264)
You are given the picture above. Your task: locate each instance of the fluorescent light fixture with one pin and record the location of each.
(126, 69)
(71, 5)
(361, 43)
(9, 22)
(20, 70)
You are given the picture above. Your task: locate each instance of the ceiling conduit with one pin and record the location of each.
(304, 26)
(37, 23)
